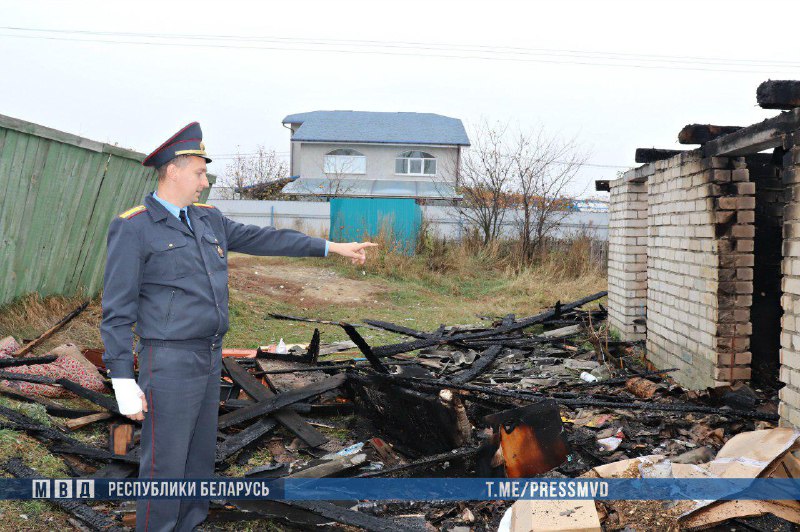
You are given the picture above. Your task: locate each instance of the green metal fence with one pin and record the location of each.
(58, 194)
(399, 219)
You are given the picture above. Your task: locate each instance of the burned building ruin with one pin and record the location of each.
(704, 253)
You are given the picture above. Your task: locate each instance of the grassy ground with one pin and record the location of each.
(443, 285)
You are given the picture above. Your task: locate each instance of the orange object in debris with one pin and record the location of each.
(239, 353)
(532, 439)
(95, 356)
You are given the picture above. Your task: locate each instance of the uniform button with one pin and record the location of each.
(209, 274)
(170, 245)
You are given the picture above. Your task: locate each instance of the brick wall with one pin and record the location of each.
(699, 269)
(627, 258)
(790, 335)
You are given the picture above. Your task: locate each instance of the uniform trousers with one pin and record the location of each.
(181, 382)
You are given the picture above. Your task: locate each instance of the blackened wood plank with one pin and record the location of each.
(479, 366)
(350, 517)
(778, 94)
(27, 361)
(651, 155)
(755, 138)
(399, 329)
(240, 440)
(313, 348)
(365, 348)
(426, 461)
(97, 398)
(286, 417)
(49, 332)
(279, 401)
(403, 347)
(702, 133)
(52, 408)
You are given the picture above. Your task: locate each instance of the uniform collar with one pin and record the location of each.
(172, 209)
(158, 211)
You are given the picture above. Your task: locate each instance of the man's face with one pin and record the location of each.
(190, 180)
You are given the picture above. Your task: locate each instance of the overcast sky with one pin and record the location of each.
(614, 75)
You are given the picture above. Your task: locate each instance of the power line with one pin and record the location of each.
(426, 45)
(495, 54)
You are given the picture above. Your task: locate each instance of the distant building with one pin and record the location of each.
(375, 155)
(375, 168)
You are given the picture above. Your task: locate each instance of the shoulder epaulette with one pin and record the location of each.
(203, 205)
(130, 213)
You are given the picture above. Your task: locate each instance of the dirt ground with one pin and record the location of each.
(305, 286)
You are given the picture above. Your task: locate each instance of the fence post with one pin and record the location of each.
(272, 215)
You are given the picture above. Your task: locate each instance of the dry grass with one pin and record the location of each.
(30, 316)
(443, 282)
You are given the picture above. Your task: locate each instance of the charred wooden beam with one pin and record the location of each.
(327, 367)
(430, 384)
(52, 330)
(351, 517)
(404, 347)
(479, 366)
(651, 155)
(703, 133)
(312, 320)
(39, 430)
(97, 398)
(27, 361)
(288, 418)
(85, 513)
(365, 348)
(313, 348)
(770, 133)
(778, 94)
(240, 440)
(463, 452)
(52, 408)
(279, 401)
(36, 379)
(398, 329)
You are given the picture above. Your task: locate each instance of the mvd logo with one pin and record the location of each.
(63, 488)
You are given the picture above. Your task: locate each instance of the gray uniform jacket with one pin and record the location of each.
(174, 285)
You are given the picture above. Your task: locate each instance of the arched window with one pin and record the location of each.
(415, 163)
(344, 161)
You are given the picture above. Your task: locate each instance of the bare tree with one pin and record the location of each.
(544, 167)
(260, 175)
(485, 180)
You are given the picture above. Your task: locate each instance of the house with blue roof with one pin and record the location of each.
(375, 167)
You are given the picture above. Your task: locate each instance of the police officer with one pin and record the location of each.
(167, 273)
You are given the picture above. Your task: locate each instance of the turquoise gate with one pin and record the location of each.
(355, 219)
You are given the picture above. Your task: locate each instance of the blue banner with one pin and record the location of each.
(403, 489)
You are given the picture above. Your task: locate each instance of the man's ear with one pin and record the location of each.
(172, 172)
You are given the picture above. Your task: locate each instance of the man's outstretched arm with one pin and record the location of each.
(256, 240)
